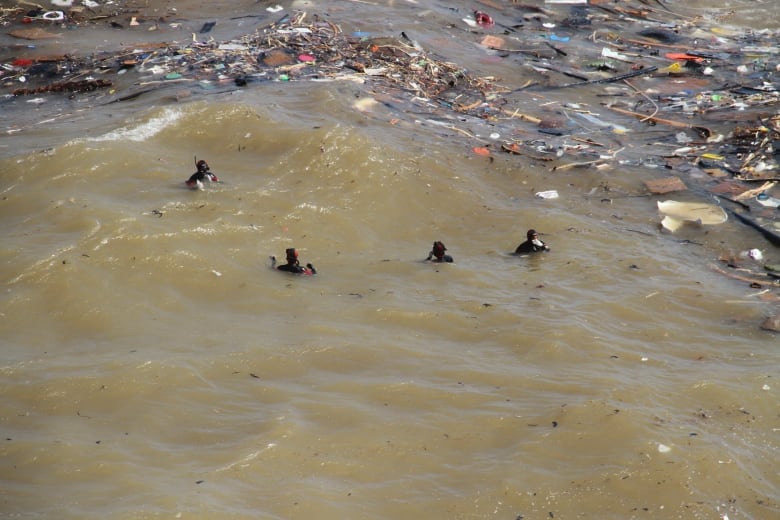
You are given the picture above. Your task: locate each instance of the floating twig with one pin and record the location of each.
(704, 131)
(628, 75)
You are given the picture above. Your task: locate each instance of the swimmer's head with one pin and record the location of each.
(292, 254)
(438, 249)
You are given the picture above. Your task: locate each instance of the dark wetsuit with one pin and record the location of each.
(443, 258)
(293, 265)
(203, 174)
(297, 269)
(531, 246)
(199, 176)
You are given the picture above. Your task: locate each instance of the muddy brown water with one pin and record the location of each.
(155, 366)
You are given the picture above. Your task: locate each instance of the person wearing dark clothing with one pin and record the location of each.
(532, 244)
(293, 265)
(437, 253)
(204, 173)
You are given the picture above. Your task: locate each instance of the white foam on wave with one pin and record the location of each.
(142, 131)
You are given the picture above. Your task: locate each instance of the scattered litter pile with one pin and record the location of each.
(678, 93)
(296, 47)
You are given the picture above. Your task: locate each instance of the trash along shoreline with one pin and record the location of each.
(684, 96)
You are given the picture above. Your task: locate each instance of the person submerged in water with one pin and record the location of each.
(203, 174)
(293, 265)
(532, 244)
(437, 253)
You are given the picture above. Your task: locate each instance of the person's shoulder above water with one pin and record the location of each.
(532, 244)
(203, 174)
(293, 265)
(437, 253)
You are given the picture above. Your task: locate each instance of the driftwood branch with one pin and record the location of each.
(704, 131)
(629, 75)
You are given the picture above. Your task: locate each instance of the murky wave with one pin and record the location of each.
(145, 130)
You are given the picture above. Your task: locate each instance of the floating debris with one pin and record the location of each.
(35, 33)
(83, 85)
(677, 213)
(666, 185)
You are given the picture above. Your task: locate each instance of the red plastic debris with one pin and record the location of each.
(483, 19)
(684, 56)
(21, 62)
